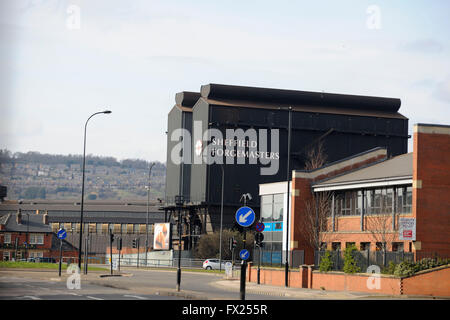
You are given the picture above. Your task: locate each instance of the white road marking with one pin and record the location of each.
(32, 297)
(137, 297)
(95, 298)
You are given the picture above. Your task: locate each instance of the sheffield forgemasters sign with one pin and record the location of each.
(407, 229)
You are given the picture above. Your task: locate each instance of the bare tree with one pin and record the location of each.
(379, 225)
(317, 207)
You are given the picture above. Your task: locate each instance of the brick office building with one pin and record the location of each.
(26, 236)
(366, 197)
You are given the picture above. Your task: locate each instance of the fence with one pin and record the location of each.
(277, 258)
(366, 258)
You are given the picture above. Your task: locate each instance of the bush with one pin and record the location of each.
(350, 265)
(407, 268)
(404, 269)
(326, 264)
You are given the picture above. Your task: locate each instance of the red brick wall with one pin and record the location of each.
(434, 282)
(431, 200)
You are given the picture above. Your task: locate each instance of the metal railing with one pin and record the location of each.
(277, 258)
(381, 258)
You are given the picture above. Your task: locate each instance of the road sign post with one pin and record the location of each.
(62, 234)
(245, 217)
(259, 237)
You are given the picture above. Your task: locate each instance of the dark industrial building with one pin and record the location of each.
(344, 124)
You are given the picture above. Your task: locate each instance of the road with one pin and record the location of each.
(150, 284)
(135, 284)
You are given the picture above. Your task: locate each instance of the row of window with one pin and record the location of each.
(33, 238)
(9, 255)
(103, 228)
(376, 201)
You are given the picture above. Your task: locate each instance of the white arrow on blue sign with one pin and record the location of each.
(245, 216)
(244, 254)
(62, 234)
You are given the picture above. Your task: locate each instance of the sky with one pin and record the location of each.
(63, 60)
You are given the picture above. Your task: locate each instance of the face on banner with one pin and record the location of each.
(161, 236)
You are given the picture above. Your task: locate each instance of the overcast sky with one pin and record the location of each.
(62, 60)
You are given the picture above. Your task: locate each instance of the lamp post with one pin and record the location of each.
(286, 270)
(148, 200)
(82, 186)
(221, 219)
(179, 200)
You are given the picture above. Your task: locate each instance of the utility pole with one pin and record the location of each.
(148, 203)
(111, 239)
(286, 270)
(179, 202)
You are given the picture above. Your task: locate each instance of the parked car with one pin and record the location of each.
(213, 264)
(46, 260)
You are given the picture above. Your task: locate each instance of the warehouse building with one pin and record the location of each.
(247, 128)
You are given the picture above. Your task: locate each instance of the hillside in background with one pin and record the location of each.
(33, 175)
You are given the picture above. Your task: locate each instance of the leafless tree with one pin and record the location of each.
(317, 207)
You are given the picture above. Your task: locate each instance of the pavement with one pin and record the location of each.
(103, 278)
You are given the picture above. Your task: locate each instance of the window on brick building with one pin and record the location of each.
(36, 238)
(404, 199)
(7, 238)
(336, 246)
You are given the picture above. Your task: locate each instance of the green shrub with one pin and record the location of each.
(390, 269)
(404, 269)
(326, 264)
(350, 265)
(407, 268)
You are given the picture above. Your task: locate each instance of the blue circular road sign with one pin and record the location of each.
(62, 234)
(245, 216)
(244, 254)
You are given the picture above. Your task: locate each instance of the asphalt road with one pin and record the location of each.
(135, 284)
(24, 288)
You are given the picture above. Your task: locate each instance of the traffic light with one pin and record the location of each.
(134, 243)
(259, 238)
(111, 237)
(119, 244)
(234, 244)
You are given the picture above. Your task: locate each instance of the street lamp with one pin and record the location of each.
(286, 270)
(82, 186)
(221, 219)
(148, 200)
(179, 201)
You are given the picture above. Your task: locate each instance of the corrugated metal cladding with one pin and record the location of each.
(350, 124)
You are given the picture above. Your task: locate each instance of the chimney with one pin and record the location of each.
(19, 216)
(45, 217)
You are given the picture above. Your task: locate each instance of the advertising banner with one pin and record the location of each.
(161, 240)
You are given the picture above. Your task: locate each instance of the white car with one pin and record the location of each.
(213, 264)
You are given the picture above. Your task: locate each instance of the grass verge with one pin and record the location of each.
(41, 265)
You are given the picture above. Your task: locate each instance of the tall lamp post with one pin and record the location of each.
(82, 186)
(221, 219)
(286, 271)
(148, 201)
(179, 201)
